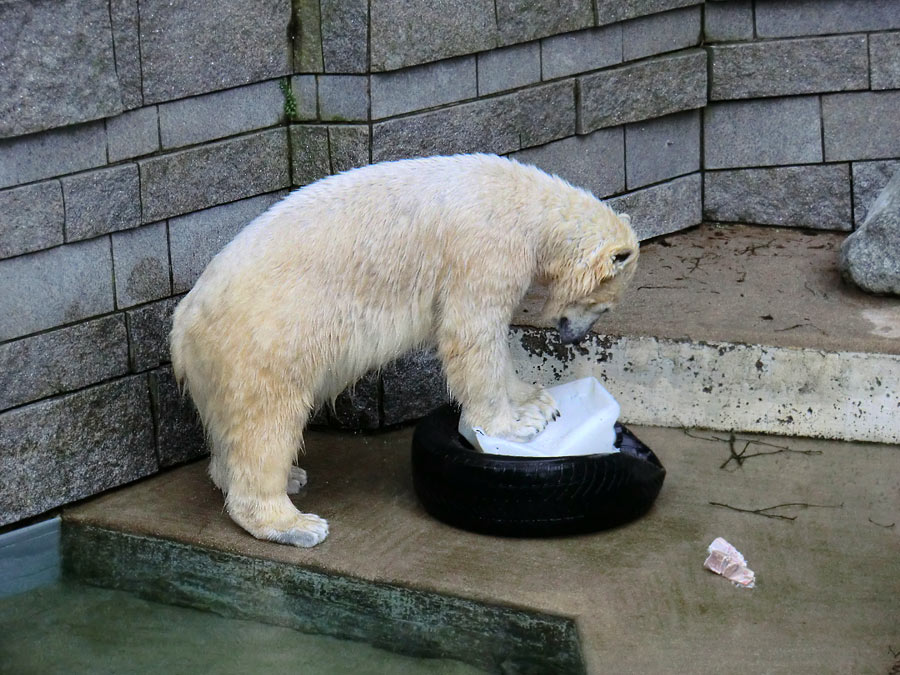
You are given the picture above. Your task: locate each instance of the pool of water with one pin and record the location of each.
(73, 628)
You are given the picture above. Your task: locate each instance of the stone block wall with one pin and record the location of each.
(802, 127)
(137, 137)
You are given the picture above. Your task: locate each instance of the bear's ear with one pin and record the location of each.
(625, 218)
(600, 264)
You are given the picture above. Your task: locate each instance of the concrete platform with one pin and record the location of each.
(738, 328)
(632, 600)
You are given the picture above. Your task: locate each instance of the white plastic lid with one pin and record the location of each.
(586, 425)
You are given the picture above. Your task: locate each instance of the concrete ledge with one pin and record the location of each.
(500, 639)
(727, 386)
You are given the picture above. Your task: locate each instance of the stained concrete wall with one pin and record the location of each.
(138, 136)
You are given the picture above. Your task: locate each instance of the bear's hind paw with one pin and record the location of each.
(296, 480)
(309, 531)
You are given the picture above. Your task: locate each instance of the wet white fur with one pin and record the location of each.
(348, 273)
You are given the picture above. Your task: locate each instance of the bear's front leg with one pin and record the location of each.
(477, 366)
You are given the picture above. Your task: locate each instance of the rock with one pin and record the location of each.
(413, 385)
(870, 257)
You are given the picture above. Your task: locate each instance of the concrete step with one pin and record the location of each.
(817, 521)
(737, 328)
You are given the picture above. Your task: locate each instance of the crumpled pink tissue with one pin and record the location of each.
(726, 560)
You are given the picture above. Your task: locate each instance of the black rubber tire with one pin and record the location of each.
(530, 497)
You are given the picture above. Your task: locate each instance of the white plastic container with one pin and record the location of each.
(586, 425)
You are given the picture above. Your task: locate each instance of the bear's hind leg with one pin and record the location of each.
(259, 473)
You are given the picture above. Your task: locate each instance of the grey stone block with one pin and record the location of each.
(141, 263)
(102, 201)
(62, 360)
(595, 162)
(409, 32)
(642, 90)
(662, 148)
(133, 134)
(658, 33)
(207, 45)
(814, 196)
(306, 97)
(54, 287)
(414, 385)
(541, 114)
(863, 125)
(787, 67)
(884, 50)
(345, 35)
(148, 334)
(215, 173)
(343, 98)
(63, 449)
(870, 257)
(224, 113)
(31, 218)
(579, 52)
(348, 146)
(52, 153)
(762, 133)
(523, 20)
(195, 239)
(775, 18)
(663, 208)
(509, 68)
(58, 65)
(180, 436)
(125, 18)
(612, 11)
(310, 158)
(502, 124)
(359, 407)
(308, 41)
(724, 21)
(423, 87)
(869, 179)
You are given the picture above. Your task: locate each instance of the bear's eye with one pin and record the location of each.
(620, 258)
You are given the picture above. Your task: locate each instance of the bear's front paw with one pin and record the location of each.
(524, 396)
(546, 405)
(521, 424)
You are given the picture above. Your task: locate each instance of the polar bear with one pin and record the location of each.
(346, 274)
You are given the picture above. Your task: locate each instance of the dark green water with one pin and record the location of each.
(71, 628)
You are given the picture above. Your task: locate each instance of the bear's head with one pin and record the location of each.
(595, 257)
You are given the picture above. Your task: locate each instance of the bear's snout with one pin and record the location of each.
(573, 329)
(569, 334)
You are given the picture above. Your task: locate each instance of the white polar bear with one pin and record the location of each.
(347, 274)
